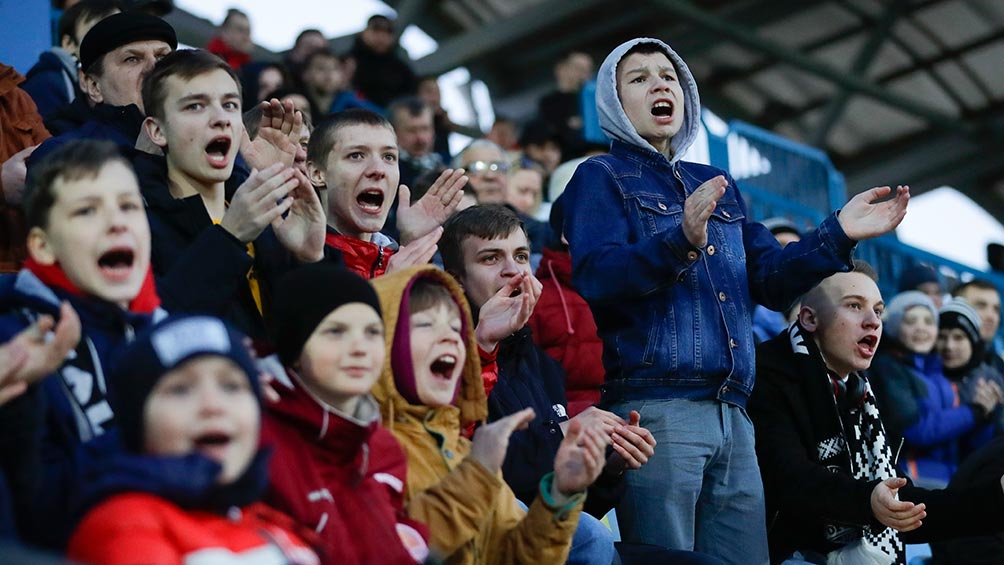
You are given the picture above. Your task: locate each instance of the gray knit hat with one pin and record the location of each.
(893, 317)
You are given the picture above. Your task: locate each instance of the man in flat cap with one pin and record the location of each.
(115, 56)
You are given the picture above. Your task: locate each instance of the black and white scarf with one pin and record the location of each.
(864, 440)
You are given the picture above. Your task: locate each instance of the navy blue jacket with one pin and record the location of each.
(530, 378)
(118, 124)
(43, 451)
(676, 320)
(51, 84)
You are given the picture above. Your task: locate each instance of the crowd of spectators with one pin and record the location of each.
(257, 311)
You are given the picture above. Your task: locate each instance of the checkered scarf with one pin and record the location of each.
(864, 437)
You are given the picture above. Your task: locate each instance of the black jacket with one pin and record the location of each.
(529, 377)
(381, 77)
(199, 267)
(793, 412)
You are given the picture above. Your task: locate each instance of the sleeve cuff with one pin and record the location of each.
(486, 356)
(559, 512)
(683, 252)
(834, 238)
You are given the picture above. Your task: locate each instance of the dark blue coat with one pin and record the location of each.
(118, 124)
(530, 378)
(43, 450)
(50, 83)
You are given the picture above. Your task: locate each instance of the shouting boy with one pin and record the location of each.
(670, 264)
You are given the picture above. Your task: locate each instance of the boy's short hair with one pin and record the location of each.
(408, 105)
(865, 268)
(233, 13)
(644, 48)
(185, 64)
(322, 141)
(82, 11)
(427, 293)
(72, 161)
(487, 221)
(303, 35)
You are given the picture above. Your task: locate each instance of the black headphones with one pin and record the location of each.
(850, 394)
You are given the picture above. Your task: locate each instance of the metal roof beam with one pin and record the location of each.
(457, 51)
(744, 36)
(864, 59)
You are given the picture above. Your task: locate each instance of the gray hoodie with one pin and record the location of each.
(614, 121)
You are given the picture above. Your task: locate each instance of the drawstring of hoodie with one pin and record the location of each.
(561, 296)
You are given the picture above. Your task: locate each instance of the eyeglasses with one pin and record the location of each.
(480, 167)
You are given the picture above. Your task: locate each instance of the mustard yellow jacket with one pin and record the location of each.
(473, 516)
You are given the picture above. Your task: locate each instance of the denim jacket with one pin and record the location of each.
(676, 320)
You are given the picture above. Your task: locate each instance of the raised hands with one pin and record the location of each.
(278, 136)
(301, 231)
(899, 515)
(34, 353)
(579, 461)
(438, 204)
(863, 217)
(418, 252)
(492, 440)
(698, 208)
(259, 201)
(504, 313)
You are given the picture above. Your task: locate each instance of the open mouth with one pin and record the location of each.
(370, 200)
(217, 151)
(867, 345)
(212, 444)
(662, 109)
(116, 263)
(443, 366)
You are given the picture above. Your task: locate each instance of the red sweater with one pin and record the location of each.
(563, 325)
(142, 529)
(344, 479)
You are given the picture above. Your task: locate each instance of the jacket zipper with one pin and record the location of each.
(378, 264)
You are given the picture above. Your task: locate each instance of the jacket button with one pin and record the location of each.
(726, 214)
(725, 390)
(721, 296)
(662, 206)
(711, 250)
(732, 343)
(691, 256)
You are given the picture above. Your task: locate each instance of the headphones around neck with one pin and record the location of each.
(850, 394)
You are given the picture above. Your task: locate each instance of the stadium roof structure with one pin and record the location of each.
(895, 91)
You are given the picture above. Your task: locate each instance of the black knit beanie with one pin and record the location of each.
(159, 350)
(122, 29)
(306, 296)
(958, 314)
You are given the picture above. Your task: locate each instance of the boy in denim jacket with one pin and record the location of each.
(663, 252)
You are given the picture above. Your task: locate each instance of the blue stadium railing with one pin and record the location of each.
(802, 185)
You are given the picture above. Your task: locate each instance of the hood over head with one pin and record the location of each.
(471, 399)
(614, 121)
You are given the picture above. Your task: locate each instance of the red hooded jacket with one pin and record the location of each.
(344, 478)
(563, 325)
(366, 259)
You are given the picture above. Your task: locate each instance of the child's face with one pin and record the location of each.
(324, 74)
(652, 96)
(437, 353)
(490, 263)
(918, 330)
(202, 126)
(954, 347)
(362, 176)
(344, 356)
(98, 233)
(206, 405)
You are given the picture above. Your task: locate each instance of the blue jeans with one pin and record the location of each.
(592, 544)
(701, 491)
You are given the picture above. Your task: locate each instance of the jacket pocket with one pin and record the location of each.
(655, 212)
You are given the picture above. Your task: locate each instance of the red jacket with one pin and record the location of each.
(236, 59)
(366, 259)
(563, 325)
(143, 529)
(342, 478)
